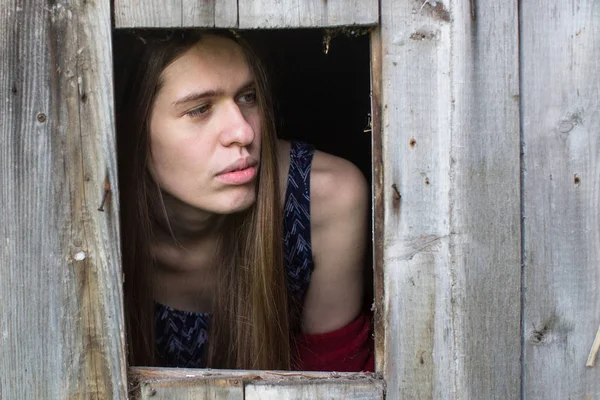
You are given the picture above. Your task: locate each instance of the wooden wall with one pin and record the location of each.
(486, 139)
(452, 267)
(61, 317)
(560, 104)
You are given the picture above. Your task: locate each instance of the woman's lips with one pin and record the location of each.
(239, 177)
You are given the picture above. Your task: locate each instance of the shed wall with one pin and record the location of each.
(61, 317)
(486, 183)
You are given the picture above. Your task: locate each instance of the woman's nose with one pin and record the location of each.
(236, 128)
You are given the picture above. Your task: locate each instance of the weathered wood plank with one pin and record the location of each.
(306, 13)
(451, 199)
(380, 323)
(175, 14)
(561, 133)
(179, 383)
(416, 116)
(206, 389)
(485, 206)
(336, 389)
(60, 299)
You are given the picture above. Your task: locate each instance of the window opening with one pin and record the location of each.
(321, 80)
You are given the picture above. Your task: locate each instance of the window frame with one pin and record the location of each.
(148, 382)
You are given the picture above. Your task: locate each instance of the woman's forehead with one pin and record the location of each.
(211, 54)
(212, 60)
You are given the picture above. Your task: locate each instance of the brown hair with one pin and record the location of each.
(249, 326)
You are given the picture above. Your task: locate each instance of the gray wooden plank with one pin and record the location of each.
(561, 133)
(175, 14)
(335, 389)
(180, 383)
(415, 119)
(206, 389)
(451, 197)
(306, 13)
(234, 389)
(60, 300)
(485, 199)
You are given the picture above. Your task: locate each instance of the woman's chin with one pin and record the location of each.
(236, 204)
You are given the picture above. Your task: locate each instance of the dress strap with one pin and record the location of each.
(296, 218)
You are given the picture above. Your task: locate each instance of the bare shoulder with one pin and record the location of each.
(338, 188)
(339, 201)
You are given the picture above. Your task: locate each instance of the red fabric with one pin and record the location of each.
(348, 349)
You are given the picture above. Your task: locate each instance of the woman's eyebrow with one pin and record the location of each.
(198, 96)
(249, 85)
(210, 93)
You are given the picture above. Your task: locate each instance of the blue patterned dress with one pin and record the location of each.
(181, 336)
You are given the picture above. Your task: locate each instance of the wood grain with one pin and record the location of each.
(179, 383)
(378, 200)
(336, 389)
(175, 14)
(561, 133)
(306, 13)
(451, 197)
(206, 389)
(485, 198)
(61, 314)
(415, 140)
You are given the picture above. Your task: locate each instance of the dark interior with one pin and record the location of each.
(322, 98)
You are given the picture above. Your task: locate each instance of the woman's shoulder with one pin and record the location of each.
(336, 185)
(338, 188)
(339, 209)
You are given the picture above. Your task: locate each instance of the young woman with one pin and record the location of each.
(239, 250)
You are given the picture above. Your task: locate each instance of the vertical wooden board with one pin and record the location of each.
(61, 313)
(306, 13)
(370, 390)
(485, 208)
(147, 13)
(451, 199)
(209, 389)
(226, 13)
(175, 14)
(419, 356)
(380, 324)
(560, 53)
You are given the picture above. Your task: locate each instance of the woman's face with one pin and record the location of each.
(205, 128)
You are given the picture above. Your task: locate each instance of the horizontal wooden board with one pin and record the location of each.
(336, 389)
(206, 389)
(175, 13)
(178, 383)
(306, 13)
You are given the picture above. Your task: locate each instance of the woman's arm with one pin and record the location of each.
(336, 337)
(339, 228)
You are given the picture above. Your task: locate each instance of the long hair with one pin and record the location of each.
(249, 327)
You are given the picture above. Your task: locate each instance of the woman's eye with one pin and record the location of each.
(199, 111)
(248, 98)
